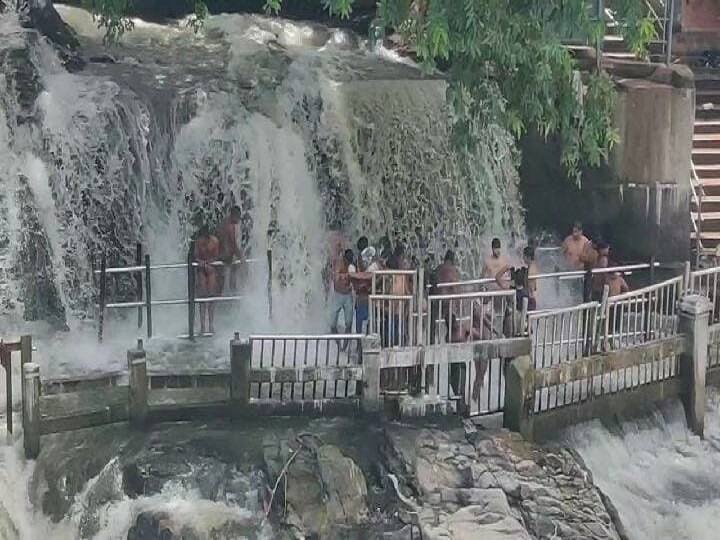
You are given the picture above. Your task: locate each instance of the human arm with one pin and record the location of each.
(503, 284)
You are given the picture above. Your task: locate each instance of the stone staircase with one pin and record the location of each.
(705, 169)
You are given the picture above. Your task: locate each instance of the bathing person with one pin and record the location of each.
(616, 284)
(230, 250)
(596, 255)
(362, 284)
(362, 244)
(493, 263)
(342, 300)
(574, 246)
(207, 251)
(521, 279)
(446, 273)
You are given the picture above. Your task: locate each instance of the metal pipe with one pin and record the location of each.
(139, 283)
(101, 312)
(304, 337)
(175, 266)
(191, 292)
(669, 32)
(148, 296)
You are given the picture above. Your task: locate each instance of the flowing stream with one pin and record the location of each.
(663, 480)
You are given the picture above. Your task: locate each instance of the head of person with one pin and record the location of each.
(368, 255)
(235, 215)
(528, 255)
(577, 230)
(449, 257)
(603, 248)
(495, 246)
(349, 256)
(615, 275)
(362, 244)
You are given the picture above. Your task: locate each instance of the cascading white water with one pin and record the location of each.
(300, 124)
(663, 480)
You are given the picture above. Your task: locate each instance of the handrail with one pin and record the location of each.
(644, 290)
(303, 337)
(696, 185)
(539, 312)
(170, 266)
(478, 294)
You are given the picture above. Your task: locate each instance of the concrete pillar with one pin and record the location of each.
(31, 409)
(519, 390)
(371, 402)
(240, 364)
(694, 316)
(138, 389)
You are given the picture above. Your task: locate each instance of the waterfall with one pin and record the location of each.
(663, 480)
(306, 127)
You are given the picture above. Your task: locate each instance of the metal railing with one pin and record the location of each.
(333, 355)
(705, 282)
(563, 335)
(144, 301)
(474, 316)
(395, 307)
(643, 315)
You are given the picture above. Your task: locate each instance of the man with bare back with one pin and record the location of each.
(230, 251)
(207, 251)
(574, 246)
(493, 263)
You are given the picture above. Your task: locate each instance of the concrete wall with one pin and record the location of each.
(699, 15)
(640, 200)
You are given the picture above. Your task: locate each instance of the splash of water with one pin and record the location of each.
(663, 480)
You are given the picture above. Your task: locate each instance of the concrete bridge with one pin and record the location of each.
(543, 371)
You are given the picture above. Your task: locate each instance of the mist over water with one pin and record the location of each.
(663, 480)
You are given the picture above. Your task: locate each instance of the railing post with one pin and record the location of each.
(420, 307)
(587, 285)
(269, 284)
(31, 409)
(191, 291)
(519, 397)
(101, 299)
(25, 358)
(687, 282)
(371, 374)
(669, 32)
(240, 364)
(148, 297)
(138, 282)
(6, 361)
(138, 389)
(694, 317)
(652, 270)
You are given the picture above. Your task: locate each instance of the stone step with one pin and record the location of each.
(706, 216)
(709, 182)
(705, 156)
(706, 235)
(706, 137)
(708, 199)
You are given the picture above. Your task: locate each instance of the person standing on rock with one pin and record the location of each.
(574, 246)
(207, 251)
(230, 251)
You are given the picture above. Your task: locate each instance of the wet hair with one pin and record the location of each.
(529, 253)
(577, 225)
(362, 243)
(602, 244)
(236, 211)
(449, 256)
(349, 256)
(495, 243)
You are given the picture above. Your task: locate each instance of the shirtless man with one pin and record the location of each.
(523, 282)
(342, 300)
(362, 284)
(230, 251)
(207, 251)
(616, 284)
(493, 264)
(596, 255)
(574, 246)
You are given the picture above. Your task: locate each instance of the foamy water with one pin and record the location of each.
(663, 480)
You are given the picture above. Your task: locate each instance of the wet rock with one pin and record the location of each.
(319, 489)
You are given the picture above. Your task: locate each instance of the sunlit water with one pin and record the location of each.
(663, 480)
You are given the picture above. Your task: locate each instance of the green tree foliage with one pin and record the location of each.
(504, 59)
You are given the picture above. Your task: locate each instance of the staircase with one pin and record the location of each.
(705, 167)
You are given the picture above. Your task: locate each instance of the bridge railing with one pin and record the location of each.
(473, 316)
(564, 335)
(706, 282)
(145, 301)
(299, 367)
(643, 315)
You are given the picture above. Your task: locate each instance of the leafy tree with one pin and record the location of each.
(504, 59)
